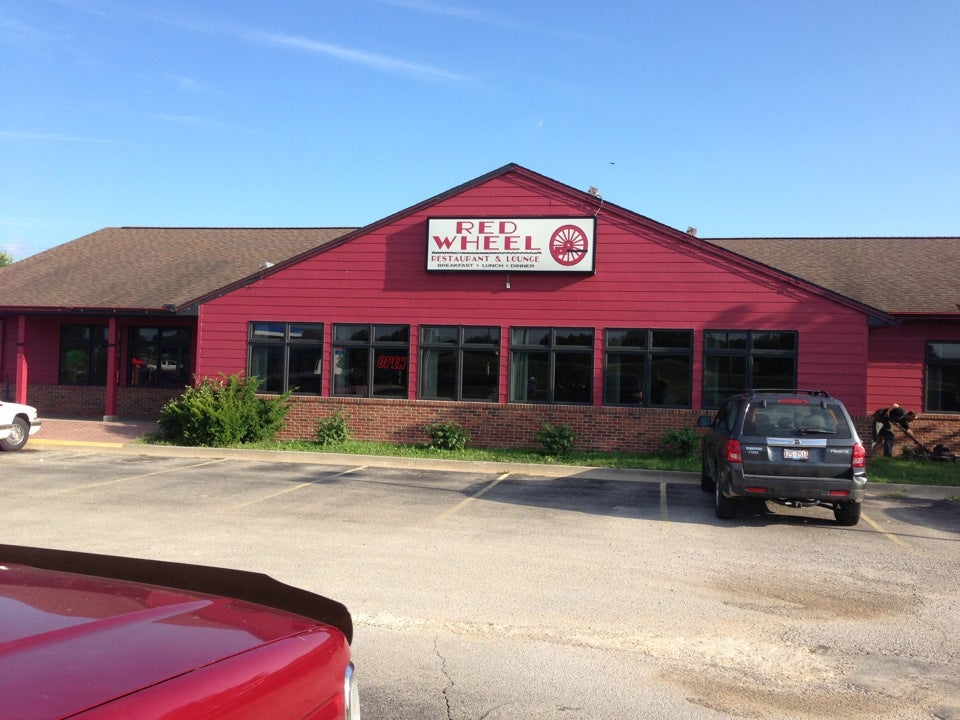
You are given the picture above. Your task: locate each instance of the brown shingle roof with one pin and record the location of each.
(130, 267)
(896, 275)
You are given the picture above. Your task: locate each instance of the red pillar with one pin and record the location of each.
(20, 373)
(113, 376)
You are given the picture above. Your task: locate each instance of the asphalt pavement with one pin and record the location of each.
(127, 436)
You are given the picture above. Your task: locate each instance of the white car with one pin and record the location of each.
(17, 423)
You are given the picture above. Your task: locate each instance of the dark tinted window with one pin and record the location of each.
(795, 418)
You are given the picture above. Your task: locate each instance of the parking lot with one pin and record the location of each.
(485, 593)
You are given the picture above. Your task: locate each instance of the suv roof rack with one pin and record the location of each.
(789, 391)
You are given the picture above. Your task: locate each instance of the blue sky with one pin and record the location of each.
(752, 118)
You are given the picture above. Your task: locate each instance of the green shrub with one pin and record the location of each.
(682, 442)
(447, 435)
(555, 440)
(333, 429)
(224, 411)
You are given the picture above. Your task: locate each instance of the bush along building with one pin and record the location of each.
(505, 303)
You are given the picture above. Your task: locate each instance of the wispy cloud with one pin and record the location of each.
(195, 121)
(483, 17)
(186, 84)
(354, 56)
(455, 11)
(296, 43)
(30, 222)
(313, 46)
(17, 135)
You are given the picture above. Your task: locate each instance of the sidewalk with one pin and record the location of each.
(68, 431)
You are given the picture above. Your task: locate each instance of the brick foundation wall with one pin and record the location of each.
(67, 400)
(490, 425)
(513, 425)
(144, 403)
(90, 402)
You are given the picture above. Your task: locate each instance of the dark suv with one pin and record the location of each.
(798, 448)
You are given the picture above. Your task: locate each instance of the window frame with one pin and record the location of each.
(185, 349)
(549, 345)
(376, 362)
(650, 351)
(929, 363)
(93, 371)
(459, 347)
(749, 353)
(287, 343)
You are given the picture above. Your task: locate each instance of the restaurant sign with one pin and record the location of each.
(511, 244)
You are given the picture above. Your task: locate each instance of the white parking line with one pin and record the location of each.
(295, 487)
(131, 477)
(462, 504)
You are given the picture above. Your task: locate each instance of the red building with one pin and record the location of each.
(504, 303)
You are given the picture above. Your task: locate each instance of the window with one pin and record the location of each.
(371, 360)
(734, 360)
(942, 391)
(83, 354)
(648, 367)
(159, 357)
(286, 356)
(459, 363)
(551, 365)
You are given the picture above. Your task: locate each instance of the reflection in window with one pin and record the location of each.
(551, 365)
(158, 357)
(286, 356)
(459, 362)
(734, 360)
(942, 383)
(371, 360)
(83, 355)
(648, 367)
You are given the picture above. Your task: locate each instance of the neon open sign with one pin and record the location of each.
(392, 362)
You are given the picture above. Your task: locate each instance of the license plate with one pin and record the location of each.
(796, 454)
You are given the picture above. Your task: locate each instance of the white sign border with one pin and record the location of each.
(498, 256)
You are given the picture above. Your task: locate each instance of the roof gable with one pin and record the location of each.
(488, 191)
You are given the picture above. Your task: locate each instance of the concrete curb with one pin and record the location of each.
(884, 490)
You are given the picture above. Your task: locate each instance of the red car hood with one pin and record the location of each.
(69, 642)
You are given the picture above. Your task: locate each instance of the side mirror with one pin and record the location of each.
(704, 421)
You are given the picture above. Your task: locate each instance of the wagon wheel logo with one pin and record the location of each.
(568, 245)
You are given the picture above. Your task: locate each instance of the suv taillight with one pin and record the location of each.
(859, 456)
(733, 451)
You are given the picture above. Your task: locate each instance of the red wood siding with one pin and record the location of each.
(897, 361)
(646, 276)
(42, 347)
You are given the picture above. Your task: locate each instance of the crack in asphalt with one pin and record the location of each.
(443, 669)
(451, 683)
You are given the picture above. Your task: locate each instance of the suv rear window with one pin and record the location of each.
(795, 417)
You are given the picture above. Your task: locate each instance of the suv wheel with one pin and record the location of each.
(726, 507)
(706, 482)
(847, 513)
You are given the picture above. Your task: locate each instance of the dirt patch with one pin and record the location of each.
(817, 598)
(748, 700)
